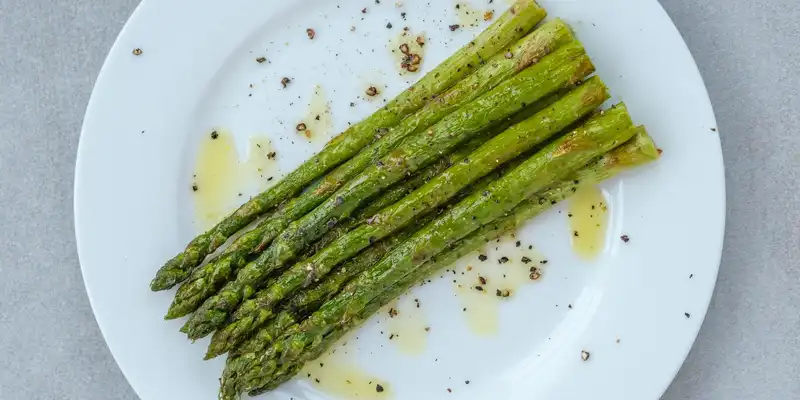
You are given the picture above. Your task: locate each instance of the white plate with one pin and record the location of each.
(149, 113)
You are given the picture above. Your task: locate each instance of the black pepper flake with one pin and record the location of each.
(389, 25)
(479, 288)
(518, 243)
(569, 306)
(261, 60)
(482, 257)
(503, 260)
(543, 262)
(301, 127)
(687, 315)
(352, 104)
(449, 390)
(271, 156)
(391, 336)
(454, 27)
(575, 233)
(569, 215)
(530, 247)
(392, 312)
(625, 238)
(137, 51)
(214, 134)
(482, 280)
(372, 91)
(403, 15)
(285, 81)
(378, 388)
(194, 188)
(526, 260)
(691, 276)
(466, 382)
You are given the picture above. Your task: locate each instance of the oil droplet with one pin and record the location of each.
(317, 121)
(342, 378)
(406, 49)
(467, 16)
(213, 187)
(484, 286)
(588, 221)
(409, 329)
(220, 180)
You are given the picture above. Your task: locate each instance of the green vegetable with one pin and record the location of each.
(512, 25)
(563, 68)
(205, 281)
(554, 162)
(503, 147)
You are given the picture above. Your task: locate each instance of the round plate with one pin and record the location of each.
(636, 309)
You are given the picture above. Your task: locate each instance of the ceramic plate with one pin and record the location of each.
(182, 69)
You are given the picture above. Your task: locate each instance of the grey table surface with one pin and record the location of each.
(51, 52)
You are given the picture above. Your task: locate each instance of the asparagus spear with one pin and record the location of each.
(206, 280)
(554, 161)
(512, 25)
(563, 68)
(637, 151)
(504, 147)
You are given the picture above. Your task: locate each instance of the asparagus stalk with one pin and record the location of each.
(512, 25)
(637, 151)
(206, 280)
(554, 161)
(563, 68)
(504, 147)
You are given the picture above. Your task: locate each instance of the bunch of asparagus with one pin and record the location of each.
(499, 132)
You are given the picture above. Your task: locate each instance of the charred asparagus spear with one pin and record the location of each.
(563, 68)
(512, 25)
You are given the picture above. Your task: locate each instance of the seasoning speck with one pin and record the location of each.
(509, 55)
(503, 260)
(687, 315)
(404, 48)
(454, 27)
(482, 257)
(392, 312)
(487, 16)
(482, 280)
(271, 156)
(526, 260)
(535, 274)
(194, 187)
(503, 293)
(261, 60)
(585, 355)
(285, 81)
(214, 134)
(518, 243)
(311, 33)
(625, 238)
(372, 91)
(389, 25)
(137, 51)
(378, 388)
(420, 40)
(301, 127)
